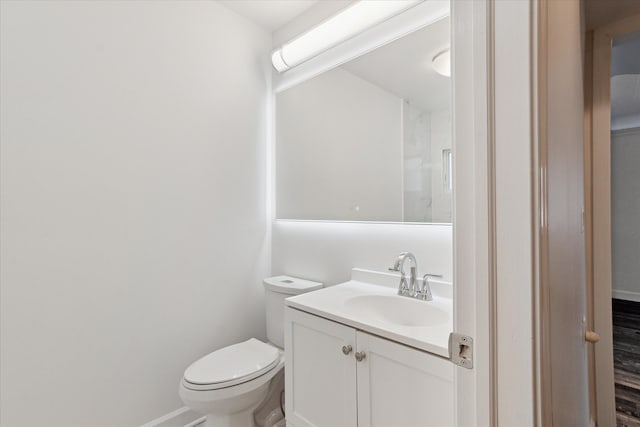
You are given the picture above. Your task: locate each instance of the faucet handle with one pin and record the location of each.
(425, 293)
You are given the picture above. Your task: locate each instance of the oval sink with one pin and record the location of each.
(400, 311)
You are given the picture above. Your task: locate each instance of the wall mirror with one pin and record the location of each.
(370, 140)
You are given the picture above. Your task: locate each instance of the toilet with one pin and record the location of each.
(242, 385)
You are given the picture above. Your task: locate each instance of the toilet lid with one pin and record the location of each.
(233, 365)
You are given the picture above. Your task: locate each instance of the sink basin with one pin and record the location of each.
(397, 310)
(370, 303)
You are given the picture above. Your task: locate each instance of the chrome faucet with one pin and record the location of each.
(406, 289)
(412, 288)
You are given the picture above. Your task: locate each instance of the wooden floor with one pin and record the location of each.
(626, 361)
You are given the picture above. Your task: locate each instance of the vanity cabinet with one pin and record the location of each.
(338, 376)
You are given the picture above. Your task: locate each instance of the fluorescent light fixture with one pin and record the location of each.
(348, 23)
(442, 63)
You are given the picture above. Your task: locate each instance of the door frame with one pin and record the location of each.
(598, 193)
(494, 258)
(469, 22)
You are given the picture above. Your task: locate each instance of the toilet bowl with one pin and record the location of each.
(227, 385)
(241, 385)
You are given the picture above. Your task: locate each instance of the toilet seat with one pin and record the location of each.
(232, 365)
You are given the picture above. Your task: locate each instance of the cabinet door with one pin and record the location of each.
(402, 387)
(320, 380)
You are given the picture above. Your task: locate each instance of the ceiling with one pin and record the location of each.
(625, 82)
(403, 67)
(625, 55)
(269, 14)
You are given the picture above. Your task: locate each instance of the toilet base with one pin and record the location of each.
(271, 411)
(240, 419)
(265, 414)
(255, 407)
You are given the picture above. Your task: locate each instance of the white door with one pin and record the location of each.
(402, 387)
(320, 372)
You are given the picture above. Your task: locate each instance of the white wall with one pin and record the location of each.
(426, 135)
(625, 213)
(133, 203)
(327, 251)
(442, 204)
(417, 167)
(338, 150)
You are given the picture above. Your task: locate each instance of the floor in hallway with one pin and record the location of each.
(626, 356)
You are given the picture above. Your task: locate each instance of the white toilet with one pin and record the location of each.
(241, 385)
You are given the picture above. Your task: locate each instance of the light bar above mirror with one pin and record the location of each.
(350, 22)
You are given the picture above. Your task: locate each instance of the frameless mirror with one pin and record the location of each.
(370, 140)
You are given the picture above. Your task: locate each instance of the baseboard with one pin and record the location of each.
(182, 417)
(626, 295)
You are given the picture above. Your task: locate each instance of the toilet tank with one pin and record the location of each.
(277, 289)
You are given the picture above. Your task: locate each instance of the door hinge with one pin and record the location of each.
(461, 350)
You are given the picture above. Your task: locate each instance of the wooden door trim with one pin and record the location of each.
(542, 314)
(588, 216)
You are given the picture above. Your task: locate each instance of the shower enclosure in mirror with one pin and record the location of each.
(371, 139)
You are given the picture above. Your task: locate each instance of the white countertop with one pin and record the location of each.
(334, 303)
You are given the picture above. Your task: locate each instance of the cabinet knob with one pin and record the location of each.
(346, 349)
(360, 356)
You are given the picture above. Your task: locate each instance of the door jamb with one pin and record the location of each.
(473, 393)
(494, 249)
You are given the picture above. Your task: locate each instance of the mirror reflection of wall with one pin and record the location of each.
(426, 161)
(370, 140)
